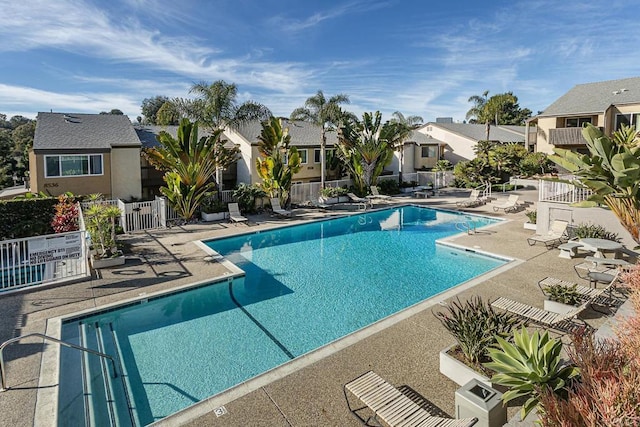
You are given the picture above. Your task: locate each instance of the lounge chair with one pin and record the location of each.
(360, 200)
(549, 319)
(234, 214)
(474, 200)
(393, 407)
(277, 209)
(511, 205)
(554, 237)
(586, 294)
(608, 266)
(375, 194)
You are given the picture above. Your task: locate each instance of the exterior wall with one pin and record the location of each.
(126, 179)
(78, 185)
(542, 141)
(548, 212)
(311, 170)
(245, 166)
(619, 109)
(424, 162)
(460, 148)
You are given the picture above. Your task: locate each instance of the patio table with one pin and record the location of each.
(599, 246)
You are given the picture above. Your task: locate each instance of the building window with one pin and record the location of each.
(303, 156)
(73, 165)
(429, 151)
(576, 122)
(632, 119)
(316, 155)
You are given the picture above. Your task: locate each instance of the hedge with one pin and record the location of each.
(26, 217)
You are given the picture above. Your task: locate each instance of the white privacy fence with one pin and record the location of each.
(40, 260)
(562, 192)
(310, 191)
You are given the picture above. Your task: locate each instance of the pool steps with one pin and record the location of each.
(106, 398)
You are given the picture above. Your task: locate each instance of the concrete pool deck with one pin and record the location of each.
(406, 352)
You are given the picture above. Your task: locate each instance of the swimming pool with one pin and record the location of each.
(305, 286)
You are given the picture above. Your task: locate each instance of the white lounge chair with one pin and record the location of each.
(393, 407)
(360, 200)
(474, 200)
(277, 209)
(556, 235)
(375, 194)
(234, 214)
(511, 205)
(549, 319)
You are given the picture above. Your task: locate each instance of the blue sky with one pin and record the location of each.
(420, 58)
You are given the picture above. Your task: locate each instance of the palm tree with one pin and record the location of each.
(325, 113)
(366, 148)
(216, 106)
(189, 164)
(405, 126)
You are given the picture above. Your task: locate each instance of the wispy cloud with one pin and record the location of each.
(290, 24)
(17, 98)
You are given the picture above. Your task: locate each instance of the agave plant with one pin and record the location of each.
(475, 324)
(531, 363)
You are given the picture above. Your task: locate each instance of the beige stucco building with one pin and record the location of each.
(607, 105)
(84, 154)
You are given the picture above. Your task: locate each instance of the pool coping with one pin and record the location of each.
(48, 387)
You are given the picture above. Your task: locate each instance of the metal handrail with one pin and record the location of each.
(47, 337)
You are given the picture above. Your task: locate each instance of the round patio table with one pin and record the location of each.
(598, 246)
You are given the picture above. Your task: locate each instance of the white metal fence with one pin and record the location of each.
(310, 191)
(561, 192)
(40, 260)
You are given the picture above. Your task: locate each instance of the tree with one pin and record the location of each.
(189, 164)
(366, 147)
(216, 106)
(150, 107)
(325, 113)
(502, 108)
(611, 170)
(114, 112)
(168, 115)
(278, 161)
(404, 127)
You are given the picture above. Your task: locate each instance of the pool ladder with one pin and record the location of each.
(466, 227)
(3, 375)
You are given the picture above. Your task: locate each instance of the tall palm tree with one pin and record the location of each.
(216, 106)
(478, 113)
(325, 113)
(404, 127)
(189, 164)
(366, 147)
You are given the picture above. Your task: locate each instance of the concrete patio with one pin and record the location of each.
(307, 392)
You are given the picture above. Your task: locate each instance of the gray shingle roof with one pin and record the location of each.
(421, 138)
(148, 134)
(478, 132)
(302, 133)
(595, 97)
(58, 131)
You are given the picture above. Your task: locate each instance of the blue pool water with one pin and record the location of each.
(305, 286)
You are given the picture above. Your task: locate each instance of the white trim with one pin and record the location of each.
(88, 156)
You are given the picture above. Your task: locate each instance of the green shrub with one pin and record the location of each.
(532, 215)
(442, 165)
(475, 325)
(388, 186)
(591, 231)
(333, 191)
(246, 196)
(26, 217)
(562, 294)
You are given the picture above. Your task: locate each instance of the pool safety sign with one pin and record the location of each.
(55, 248)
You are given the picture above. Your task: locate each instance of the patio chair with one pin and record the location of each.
(511, 205)
(391, 406)
(360, 200)
(277, 209)
(474, 200)
(234, 214)
(375, 194)
(548, 319)
(555, 236)
(600, 265)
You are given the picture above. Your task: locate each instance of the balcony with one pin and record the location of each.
(567, 136)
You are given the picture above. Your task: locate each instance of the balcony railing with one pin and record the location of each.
(561, 192)
(567, 136)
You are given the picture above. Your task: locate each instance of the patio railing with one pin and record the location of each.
(562, 192)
